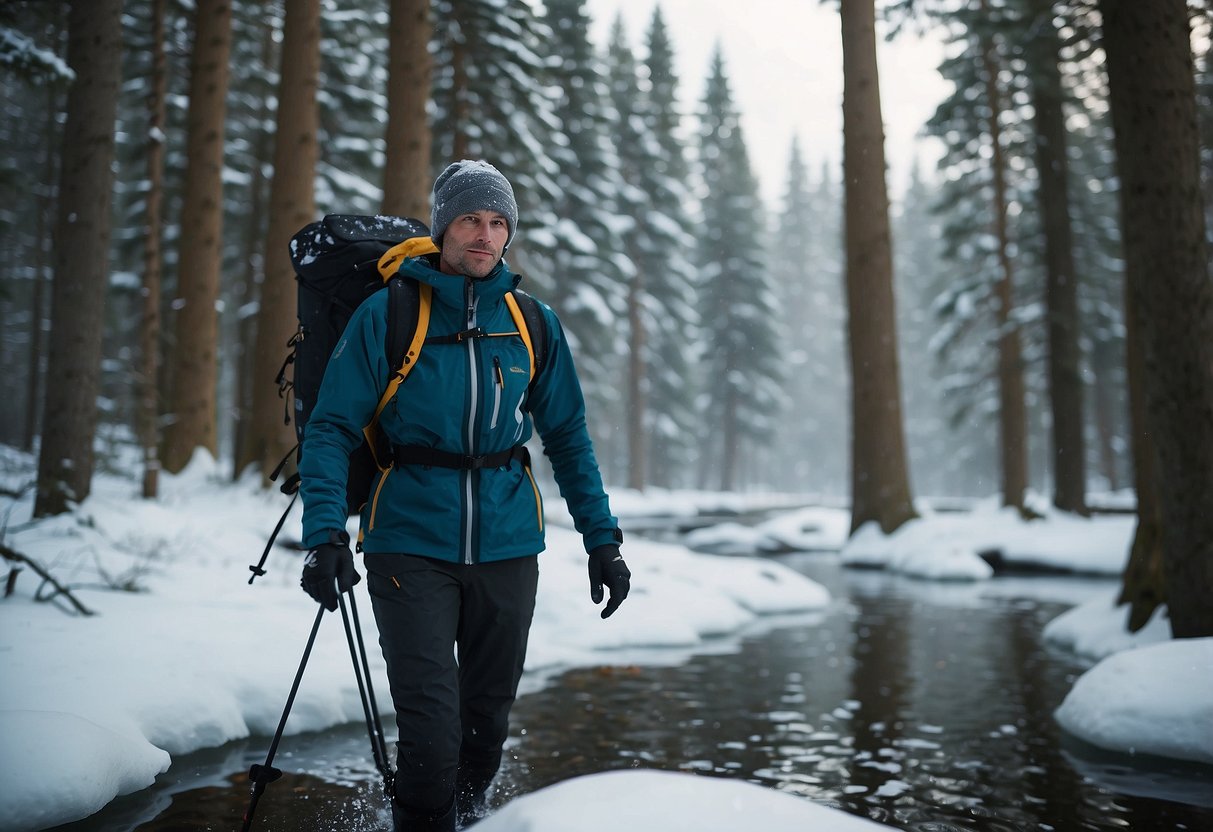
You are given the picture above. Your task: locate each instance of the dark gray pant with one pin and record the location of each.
(452, 710)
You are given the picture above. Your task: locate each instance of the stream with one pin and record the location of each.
(920, 705)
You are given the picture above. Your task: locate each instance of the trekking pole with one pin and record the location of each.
(370, 709)
(264, 774)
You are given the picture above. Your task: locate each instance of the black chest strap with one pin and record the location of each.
(434, 458)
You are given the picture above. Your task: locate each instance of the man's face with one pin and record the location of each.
(473, 243)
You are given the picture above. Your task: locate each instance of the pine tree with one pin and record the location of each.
(489, 103)
(256, 39)
(590, 265)
(880, 489)
(147, 406)
(291, 206)
(65, 462)
(983, 304)
(635, 158)
(1153, 103)
(807, 275)
(945, 460)
(193, 411)
(1066, 394)
(743, 357)
(33, 80)
(665, 259)
(406, 169)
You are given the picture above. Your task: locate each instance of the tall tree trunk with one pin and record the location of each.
(38, 302)
(147, 407)
(1012, 404)
(406, 175)
(292, 205)
(880, 486)
(1153, 102)
(1144, 588)
(194, 411)
(460, 107)
(82, 235)
(253, 266)
(636, 370)
(1103, 366)
(1061, 293)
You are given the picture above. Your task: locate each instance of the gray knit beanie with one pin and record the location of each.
(471, 185)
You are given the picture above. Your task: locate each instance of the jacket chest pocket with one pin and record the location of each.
(508, 376)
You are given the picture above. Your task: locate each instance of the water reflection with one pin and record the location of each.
(924, 706)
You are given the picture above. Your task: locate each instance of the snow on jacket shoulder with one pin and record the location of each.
(470, 398)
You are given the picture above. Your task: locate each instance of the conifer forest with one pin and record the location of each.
(1032, 317)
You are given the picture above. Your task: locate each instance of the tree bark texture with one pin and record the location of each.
(1105, 362)
(253, 269)
(880, 488)
(44, 203)
(1153, 103)
(1012, 398)
(406, 175)
(292, 205)
(147, 406)
(1144, 588)
(81, 258)
(193, 412)
(1061, 281)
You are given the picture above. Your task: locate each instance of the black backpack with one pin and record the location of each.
(339, 262)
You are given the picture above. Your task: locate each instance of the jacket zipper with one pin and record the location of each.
(496, 392)
(473, 386)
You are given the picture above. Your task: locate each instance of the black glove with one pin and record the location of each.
(328, 562)
(607, 567)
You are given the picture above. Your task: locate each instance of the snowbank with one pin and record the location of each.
(959, 546)
(1147, 694)
(93, 707)
(661, 801)
(1150, 700)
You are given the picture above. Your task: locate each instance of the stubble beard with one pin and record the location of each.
(470, 266)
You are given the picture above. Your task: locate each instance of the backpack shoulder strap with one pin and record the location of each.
(528, 316)
(389, 262)
(408, 320)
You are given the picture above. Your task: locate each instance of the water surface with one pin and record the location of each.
(920, 705)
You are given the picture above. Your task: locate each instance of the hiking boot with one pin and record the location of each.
(470, 807)
(471, 792)
(406, 819)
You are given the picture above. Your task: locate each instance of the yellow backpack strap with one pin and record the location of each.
(520, 322)
(425, 298)
(390, 262)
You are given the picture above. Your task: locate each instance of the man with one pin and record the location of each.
(453, 528)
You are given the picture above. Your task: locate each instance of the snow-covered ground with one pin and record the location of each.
(193, 657)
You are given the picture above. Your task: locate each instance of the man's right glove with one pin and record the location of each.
(329, 569)
(607, 567)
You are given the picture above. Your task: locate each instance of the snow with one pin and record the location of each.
(1055, 541)
(96, 707)
(659, 801)
(1151, 700)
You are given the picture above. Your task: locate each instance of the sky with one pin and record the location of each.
(784, 60)
(91, 708)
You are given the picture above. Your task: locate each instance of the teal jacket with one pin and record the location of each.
(469, 398)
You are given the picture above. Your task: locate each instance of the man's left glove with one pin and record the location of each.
(329, 569)
(607, 567)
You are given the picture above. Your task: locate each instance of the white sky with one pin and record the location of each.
(784, 60)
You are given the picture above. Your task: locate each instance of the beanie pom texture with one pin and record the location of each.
(471, 185)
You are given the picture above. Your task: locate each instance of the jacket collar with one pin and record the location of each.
(449, 288)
